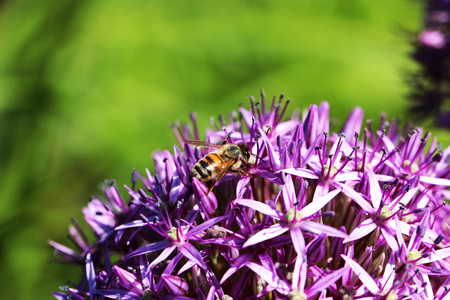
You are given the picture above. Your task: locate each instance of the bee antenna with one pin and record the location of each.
(228, 137)
(259, 158)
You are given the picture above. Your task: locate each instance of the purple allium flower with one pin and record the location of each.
(431, 83)
(360, 213)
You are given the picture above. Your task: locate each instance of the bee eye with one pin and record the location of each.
(234, 151)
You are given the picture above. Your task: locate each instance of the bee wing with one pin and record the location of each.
(203, 144)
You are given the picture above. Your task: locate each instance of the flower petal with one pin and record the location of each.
(390, 240)
(298, 241)
(266, 234)
(270, 277)
(164, 254)
(288, 191)
(366, 279)
(176, 285)
(317, 204)
(127, 279)
(90, 275)
(436, 255)
(375, 190)
(241, 261)
(363, 229)
(301, 172)
(324, 282)
(348, 176)
(299, 274)
(318, 228)
(259, 206)
(435, 181)
(192, 253)
(355, 196)
(149, 248)
(203, 226)
(117, 294)
(206, 199)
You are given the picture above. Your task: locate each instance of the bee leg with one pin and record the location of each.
(216, 181)
(211, 184)
(241, 172)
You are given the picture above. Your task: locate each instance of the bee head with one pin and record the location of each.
(245, 152)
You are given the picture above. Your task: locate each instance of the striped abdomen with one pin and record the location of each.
(209, 167)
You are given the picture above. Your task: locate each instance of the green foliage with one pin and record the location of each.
(88, 90)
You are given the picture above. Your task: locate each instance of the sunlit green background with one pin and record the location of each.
(88, 90)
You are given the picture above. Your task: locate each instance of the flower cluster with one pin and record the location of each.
(431, 83)
(356, 214)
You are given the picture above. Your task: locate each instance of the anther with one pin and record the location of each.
(328, 214)
(418, 210)
(436, 270)
(396, 180)
(291, 147)
(438, 157)
(439, 239)
(421, 230)
(134, 176)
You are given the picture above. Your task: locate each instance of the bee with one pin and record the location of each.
(215, 165)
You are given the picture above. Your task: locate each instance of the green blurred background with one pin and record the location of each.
(88, 90)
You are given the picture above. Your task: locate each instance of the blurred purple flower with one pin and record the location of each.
(355, 214)
(431, 82)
